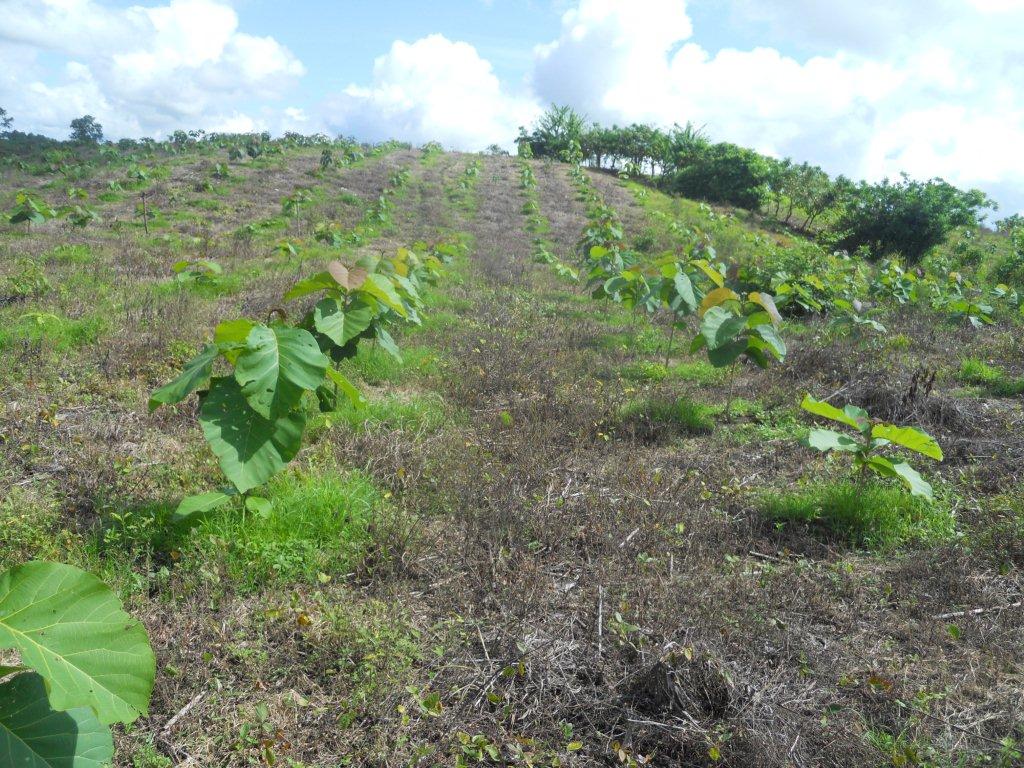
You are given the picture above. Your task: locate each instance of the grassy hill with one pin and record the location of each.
(543, 541)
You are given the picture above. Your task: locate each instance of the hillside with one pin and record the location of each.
(552, 536)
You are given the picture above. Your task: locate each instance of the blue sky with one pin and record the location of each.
(867, 88)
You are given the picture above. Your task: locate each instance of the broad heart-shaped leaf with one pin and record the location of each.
(329, 319)
(277, 364)
(720, 327)
(851, 415)
(904, 473)
(338, 324)
(728, 353)
(826, 440)
(909, 437)
(71, 629)
(32, 735)
(250, 449)
(193, 375)
(772, 340)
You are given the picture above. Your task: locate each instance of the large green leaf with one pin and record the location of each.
(71, 629)
(321, 281)
(329, 319)
(200, 504)
(250, 449)
(772, 339)
(903, 472)
(193, 375)
(909, 437)
(277, 365)
(338, 324)
(355, 397)
(826, 440)
(33, 735)
(720, 327)
(851, 415)
(685, 292)
(381, 288)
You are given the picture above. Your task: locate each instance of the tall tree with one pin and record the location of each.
(85, 130)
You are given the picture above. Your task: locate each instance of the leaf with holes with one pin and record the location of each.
(71, 629)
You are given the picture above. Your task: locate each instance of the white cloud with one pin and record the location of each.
(431, 90)
(946, 102)
(138, 70)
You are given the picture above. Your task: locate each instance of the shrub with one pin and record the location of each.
(725, 173)
(907, 217)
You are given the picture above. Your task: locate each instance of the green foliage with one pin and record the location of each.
(31, 209)
(864, 514)
(85, 130)
(197, 272)
(871, 438)
(254, 417)
(907, 218)
(725, 173)
(732, 327)
(309, 524)
(29, 281)
(84, 664)
(992, 379)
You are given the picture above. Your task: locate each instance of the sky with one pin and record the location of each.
(871, 88)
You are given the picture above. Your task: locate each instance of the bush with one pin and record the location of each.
(906, 218)
(725, 173)
(865, 514)
(1010, 269)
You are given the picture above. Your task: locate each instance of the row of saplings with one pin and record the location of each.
(84, 662)
(731, 327)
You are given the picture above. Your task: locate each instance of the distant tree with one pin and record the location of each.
(555, 132)
(497, 150)
(85, 130)
(907, 217)
(6, 121)
(1010, 224)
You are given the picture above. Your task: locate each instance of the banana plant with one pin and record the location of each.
(870, 439)
(83, 664)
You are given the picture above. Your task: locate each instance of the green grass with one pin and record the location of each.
(60, 334)
(408, 413)
(70, 254)
(868, 514)
(319, 524)
(990, 378)
(681, 415)
(375, 366)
